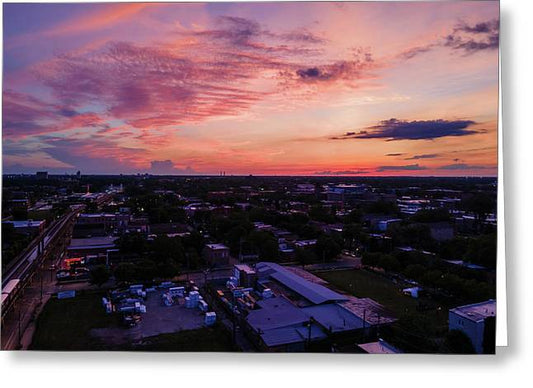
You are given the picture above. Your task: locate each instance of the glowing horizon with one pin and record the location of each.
(351, 89)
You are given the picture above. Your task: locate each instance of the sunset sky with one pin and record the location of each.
(260, 88)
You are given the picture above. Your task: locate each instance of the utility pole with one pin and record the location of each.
(41, 278)
(309, 326)
(364, 324)
(19, 327)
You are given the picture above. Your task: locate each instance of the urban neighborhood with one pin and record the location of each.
(249, 263)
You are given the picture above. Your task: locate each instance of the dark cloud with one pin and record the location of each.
(312, 72)
(92, 155)
(464, 166)
(477, 37)
(471, 45)
(408, 167)
(395, 154)
(342, 172)
(423, 156)
(350, 69)
(479, 28)
(394, 129)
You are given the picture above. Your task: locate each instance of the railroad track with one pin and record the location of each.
(18, 274)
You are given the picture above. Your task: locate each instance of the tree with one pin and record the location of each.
(351, 233)
(305, 256)
(327, 247)
(168, 248)
(480, 204)
(457, 342)
(167, 269)
(389, 263)
(99, 275)
(354, 216)
(20, 214)
(265, 244)
(482, 250)
(132, 243)
(381, 207)
(371, 258)
(431, 215)
(125, 272)
(489, 336)
(414, 271)
(145, 271)
(321, 214)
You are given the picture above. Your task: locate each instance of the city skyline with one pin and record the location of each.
(363, 89)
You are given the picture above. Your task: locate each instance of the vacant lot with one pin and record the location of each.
(64, 324)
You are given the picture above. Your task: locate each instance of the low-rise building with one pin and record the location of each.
(477, 321)
(216, 254)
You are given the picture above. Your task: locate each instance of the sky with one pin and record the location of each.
(351, 89)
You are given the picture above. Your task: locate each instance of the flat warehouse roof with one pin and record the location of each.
(313, 292)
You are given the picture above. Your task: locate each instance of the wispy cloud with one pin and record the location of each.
(468, 38)
(221, 72)
(25, 115)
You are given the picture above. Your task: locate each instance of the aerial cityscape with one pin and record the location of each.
(250, 177)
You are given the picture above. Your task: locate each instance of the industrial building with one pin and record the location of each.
(288, 309)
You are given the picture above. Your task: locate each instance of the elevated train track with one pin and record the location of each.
(22, 269)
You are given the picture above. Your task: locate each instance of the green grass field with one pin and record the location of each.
(364, 284)
(64, 324)
(209, 339)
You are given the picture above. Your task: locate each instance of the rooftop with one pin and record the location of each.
(279, 322)
(478, 311)
(313, 292)
(216, 246)
(379, 347)
(25, 224)
(93, 242)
